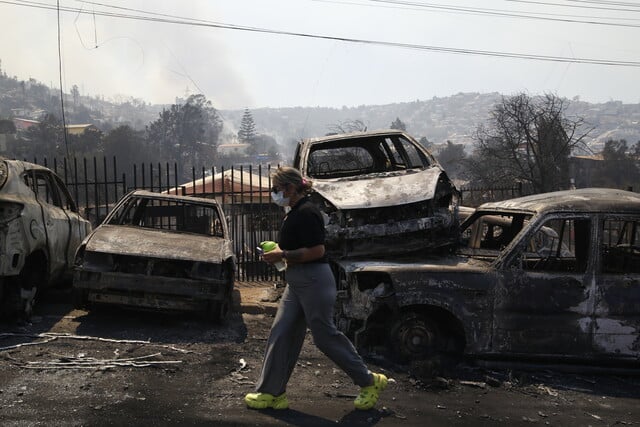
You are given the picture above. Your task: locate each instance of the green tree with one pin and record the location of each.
(452, 159)
(7, 126)
(212, 124)
(263, 144)
(186, 132)
(46, 139)
(161, 135)
(620, 168)
(527, 140)
(87, 144)
(398, 124)
(247, 132)
(127, 145)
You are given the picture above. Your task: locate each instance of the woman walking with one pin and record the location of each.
(307, 302)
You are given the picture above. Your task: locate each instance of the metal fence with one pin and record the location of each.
(243, 192)
(475, 196)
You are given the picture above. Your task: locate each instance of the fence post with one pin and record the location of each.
(175, 178)
(106, 183)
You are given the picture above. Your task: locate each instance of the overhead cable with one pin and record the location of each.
(168, 19)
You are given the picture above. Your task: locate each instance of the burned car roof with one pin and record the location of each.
(133, 236)
(354, 135)
(165, 196)
(382, 193)
(586, 199)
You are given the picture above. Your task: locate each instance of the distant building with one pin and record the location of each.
(24, 124)
(230, 186)
(233, 149)
(583, 169)
(79, 129)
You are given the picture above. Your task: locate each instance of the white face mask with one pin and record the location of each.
(279, 199)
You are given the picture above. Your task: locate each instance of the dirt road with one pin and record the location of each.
(119, 367)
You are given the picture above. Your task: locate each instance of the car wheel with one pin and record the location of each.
(414, 336)
(20, 297)
(220, 311)
(80, 298)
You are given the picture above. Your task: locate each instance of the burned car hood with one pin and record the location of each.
(380, 190)
(135, 241)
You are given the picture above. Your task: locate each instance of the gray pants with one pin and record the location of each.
(307, 301)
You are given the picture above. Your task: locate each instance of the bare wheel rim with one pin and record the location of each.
(415, 336)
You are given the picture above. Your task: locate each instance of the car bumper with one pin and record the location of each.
(150, 291)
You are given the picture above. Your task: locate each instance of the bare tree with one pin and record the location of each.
(527, 140)
(347, 126)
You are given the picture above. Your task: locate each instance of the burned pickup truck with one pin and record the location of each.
(159, 251)
(553, 276)
(382, 192)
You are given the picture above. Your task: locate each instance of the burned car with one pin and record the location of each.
(382, 192)
(159, 251)
(552, 276)
(40, 230)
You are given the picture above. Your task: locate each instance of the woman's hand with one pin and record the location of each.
(273, 255)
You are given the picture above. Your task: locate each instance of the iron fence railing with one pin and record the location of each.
(475, 196)
(243, 192)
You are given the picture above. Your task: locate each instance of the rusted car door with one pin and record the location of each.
(55, 218)
(617, 312)
(544, 302)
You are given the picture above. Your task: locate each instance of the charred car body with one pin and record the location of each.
(159, 251)
(551, 276)
(40, 230)
(381, 192)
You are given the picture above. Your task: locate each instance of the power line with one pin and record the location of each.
(170, 19)
(616, 9)
(571, 19)
(603, 2)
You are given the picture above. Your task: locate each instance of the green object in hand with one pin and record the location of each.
(268, 245)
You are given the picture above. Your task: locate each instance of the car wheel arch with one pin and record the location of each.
(33, 277)
(39, 259)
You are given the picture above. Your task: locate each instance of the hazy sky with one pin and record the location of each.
(105, 51)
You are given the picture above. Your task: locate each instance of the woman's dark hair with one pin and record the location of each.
(287, 175)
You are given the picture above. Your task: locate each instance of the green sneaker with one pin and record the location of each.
(369, 395)
(266, 400)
